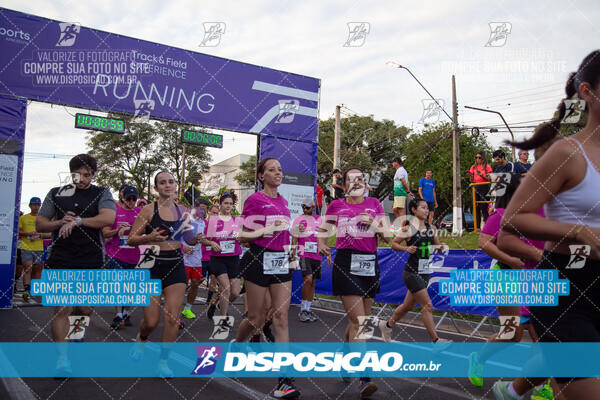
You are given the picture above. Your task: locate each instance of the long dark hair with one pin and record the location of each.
(588, 71)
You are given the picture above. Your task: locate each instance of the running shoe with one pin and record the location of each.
(313, 317)
(367, 388)
(475, 370)
(126, 320)
(211, 311)
(303, 316)
(26, 296)
(136, 352)
(117, 322)
(163, 370)
(386, 332)
(268, 333)
(500, 390)
(545, 393)
(441, 345)
(286, 389)
(188, 313)
(63, 366)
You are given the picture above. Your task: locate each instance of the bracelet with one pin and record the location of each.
(577, 230)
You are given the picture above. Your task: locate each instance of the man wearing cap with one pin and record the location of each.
(32, 246)
(120, 254)
(304, 239)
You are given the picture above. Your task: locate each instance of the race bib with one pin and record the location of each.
(275, 263)
(123, 242)
(363, 264)
(227, 246)
(425, 266)
(310, 247)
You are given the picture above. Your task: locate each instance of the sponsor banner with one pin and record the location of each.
(63, 62)
(319, 360)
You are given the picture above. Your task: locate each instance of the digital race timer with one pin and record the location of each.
(97, 123)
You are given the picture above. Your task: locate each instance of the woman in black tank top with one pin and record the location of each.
(164, 226)
(416, 271)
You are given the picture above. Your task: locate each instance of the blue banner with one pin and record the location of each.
(63, 62)
(398, 359)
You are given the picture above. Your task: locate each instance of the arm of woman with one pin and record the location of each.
(487, 243)
(513, 245)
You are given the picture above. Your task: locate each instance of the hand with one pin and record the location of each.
(34, 236)
(188, 250)
(325, 251)
(215, 246)
(68, 217)
(123, 228)
(65, 230)
(367, 219)
(436, 205)
(276, 226)
(411, 249)
(156, 236)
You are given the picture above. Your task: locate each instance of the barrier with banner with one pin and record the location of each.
(393, 291)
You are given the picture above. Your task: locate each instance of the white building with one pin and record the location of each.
(222, 174)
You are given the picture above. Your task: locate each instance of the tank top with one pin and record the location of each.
(422, 240)
(581, 204)
(175, 231)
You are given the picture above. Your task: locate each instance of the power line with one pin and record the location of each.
(509, 94)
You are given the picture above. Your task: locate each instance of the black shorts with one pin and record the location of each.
(169, 268)
(19, 261)
(577, 316)
(414, 281)
(205, 268)
(310, 266)
(252, 269)
(229, 265)
(347, 284)
(431, 206)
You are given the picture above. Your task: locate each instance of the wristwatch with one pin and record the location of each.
(78, 220)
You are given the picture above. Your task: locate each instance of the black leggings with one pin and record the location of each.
(482, 208)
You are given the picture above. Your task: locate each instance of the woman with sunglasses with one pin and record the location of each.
(221, 235)
(359, 221)
(120, 254)
(480, 172)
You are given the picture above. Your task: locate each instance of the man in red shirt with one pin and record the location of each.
(319, 199)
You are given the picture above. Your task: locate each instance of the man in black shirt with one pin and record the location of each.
(337, 184)
(503, 165)
(75, 215)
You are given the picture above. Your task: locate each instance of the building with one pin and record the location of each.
(222, 174)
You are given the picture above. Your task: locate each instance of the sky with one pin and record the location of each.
(522, 76)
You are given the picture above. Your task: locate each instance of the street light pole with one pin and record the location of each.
(503, 120)
(456, 170)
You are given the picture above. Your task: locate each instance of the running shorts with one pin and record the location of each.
(194, 273)
(310, 266)
(169, 268)
(33, 256)
(347, 284)
(252, 269)
(229, 265)
(415, 282)
(399, 202)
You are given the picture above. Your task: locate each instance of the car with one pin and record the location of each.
(467, 219)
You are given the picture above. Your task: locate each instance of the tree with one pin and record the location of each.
(432, 149)
(141, 151)
(365, 143)
(246, 177)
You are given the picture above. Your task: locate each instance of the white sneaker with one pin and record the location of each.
(442, 344)
(386, 332)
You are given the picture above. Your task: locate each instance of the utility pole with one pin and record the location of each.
(336, 139)
(457, 222)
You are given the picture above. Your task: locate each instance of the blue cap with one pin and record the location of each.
(35, 200)
(129, 191)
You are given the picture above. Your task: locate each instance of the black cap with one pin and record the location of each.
(129, 191)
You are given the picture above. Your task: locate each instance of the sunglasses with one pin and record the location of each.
(131, 198)
(307, 207)
(478, 157)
